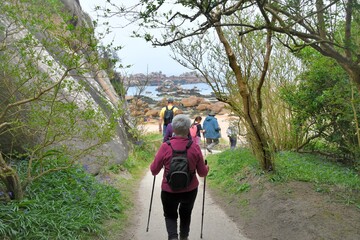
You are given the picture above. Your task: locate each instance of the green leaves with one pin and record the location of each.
(322, 105)
(45, 100)
(64, 205)
(233, 171)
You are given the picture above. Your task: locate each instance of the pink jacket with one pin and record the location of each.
(195, 158)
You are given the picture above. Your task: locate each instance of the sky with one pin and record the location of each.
(143, 57)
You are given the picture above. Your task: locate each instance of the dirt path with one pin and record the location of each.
(217, 225)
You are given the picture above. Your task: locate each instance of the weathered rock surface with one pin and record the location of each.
(98, 91)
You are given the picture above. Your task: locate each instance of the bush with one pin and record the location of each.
(68, 204)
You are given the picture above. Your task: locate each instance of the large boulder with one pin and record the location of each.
(152, 113)
(217, 107)
(191, 101)
(203, 107)
(85, 89)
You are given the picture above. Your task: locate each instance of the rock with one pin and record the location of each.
(96, 89)
(204, 101)
(191, 101)
(217, 107)
(203, 107)
(152, 113)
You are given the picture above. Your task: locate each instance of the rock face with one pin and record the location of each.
(96, 89)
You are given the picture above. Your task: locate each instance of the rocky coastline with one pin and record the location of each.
(158, 79)
(189, 101)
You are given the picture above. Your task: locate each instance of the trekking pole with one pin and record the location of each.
(152, 194)
(203, 203)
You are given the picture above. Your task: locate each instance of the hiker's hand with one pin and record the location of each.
(160, 129)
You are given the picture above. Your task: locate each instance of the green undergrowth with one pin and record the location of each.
(127, 177)
(72, 204)
(231, 170)
(68, 204)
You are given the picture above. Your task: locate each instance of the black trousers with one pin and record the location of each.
(174, 202)
(233, 141)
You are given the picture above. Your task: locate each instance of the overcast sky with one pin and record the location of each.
(137, 52)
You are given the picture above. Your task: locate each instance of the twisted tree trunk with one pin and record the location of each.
(11, 180)
(260, 141)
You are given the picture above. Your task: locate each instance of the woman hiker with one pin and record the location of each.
(179, 202)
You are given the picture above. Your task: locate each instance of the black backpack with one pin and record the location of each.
(168, 115)
(179, 175)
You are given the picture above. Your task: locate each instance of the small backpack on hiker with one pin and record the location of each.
(179, 175)
(168, 115)
(193, 130)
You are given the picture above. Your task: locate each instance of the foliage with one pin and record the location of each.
(68, 204)
(71, 204)
(46, 112)
(129, 174)
(232, 171)
(322, 103)
(315, 169)
(109, 59)
(228, 169)
(143, 152)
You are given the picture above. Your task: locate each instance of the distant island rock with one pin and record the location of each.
(158, 79)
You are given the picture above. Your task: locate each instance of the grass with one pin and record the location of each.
(72, 204)
(229, 171)
(134, 167)
(69, 204)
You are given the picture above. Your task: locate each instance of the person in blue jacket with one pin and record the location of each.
(211, 131)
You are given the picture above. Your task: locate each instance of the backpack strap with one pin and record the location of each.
(180, 151)
(169, 143)
(189, 144)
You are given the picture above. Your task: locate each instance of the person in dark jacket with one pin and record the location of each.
(211, 131)
(169, 130)
(162, 123)
(180, 202)
(232, 135)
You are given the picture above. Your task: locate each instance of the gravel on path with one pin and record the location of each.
(216, 224)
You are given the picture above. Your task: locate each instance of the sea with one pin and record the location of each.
(151, 92)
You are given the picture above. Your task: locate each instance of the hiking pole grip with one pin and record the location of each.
(203, 203)
(152, 194)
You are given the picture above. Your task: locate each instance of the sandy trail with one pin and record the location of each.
(217, 225)
(223, 121)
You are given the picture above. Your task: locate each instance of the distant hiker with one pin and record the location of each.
(196, 130)
(211, 131)
(169, 130)
(166, 115)
(232, 133)
(179, 202)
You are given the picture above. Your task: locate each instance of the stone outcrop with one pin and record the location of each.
(191, 105)
(97, 89)
(191, 101)
(158, 78)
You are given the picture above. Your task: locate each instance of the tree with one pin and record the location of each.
(248, 87)
(47, 122)
(325, 109)
(241, 86)
(330, 27)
